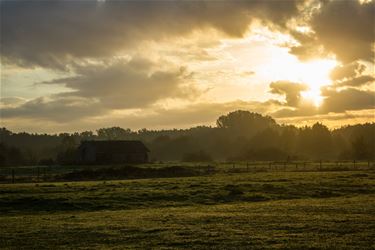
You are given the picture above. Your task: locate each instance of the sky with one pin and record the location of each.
(81, 65)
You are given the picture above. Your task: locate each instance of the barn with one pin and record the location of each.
(112, 152)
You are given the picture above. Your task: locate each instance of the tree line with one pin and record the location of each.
(237, 136)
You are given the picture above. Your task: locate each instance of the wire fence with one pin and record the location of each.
(27, 174)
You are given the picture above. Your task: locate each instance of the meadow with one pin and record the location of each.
(227, 209)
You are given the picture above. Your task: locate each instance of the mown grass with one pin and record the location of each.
(296, 210)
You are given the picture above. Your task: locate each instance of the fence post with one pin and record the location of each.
(12, 175)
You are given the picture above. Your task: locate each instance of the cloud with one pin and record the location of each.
(356, 82)
(61, 115)
(332, 120)
(347, 99)
(350, 74)
(347, 29)
(46, 118)
(59, 109)
(100, 88)
(344, 28)
(247, 73)
(99, 44)
(335, 101)
(347, 71)
(11, 101)
(308, 47)
(305, 109)
(291, 91)
(207, 113)
(126, 84)
(54, 34)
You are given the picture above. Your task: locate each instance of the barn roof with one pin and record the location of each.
(116, 146)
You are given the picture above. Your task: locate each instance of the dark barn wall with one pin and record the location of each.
(87, 154)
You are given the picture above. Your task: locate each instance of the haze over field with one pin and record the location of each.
(82, 65)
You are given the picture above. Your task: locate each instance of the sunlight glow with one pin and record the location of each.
(313, 73)
(316, 75)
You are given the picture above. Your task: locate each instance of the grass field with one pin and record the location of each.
(246, 210)
(27, 174)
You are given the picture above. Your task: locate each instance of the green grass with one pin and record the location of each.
(256, 210)
(25, 174)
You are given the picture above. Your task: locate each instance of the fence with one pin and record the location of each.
(50, 173)
(298, 166)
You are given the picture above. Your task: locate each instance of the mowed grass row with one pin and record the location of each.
(297, 210)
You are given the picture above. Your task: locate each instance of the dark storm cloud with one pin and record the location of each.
(345, 28)
(291, 91)
(53, 33)
(130, 84)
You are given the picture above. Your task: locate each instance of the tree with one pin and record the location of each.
(288, 138)
(316, 142)
(86, 135)
(114, 133)
(245, 122)
(67, 151)
(4, 133)
(266, 138)
(360, 150)
(11, 156)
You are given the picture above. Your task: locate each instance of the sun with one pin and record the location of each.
(315, 74)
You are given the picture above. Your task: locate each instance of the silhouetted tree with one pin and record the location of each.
(245, 122)
(238, 135)
(87, 135)
(288, 139)
(11, 156)
(315, 142)
(67, 151)
(114, 133)
(360, 150)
